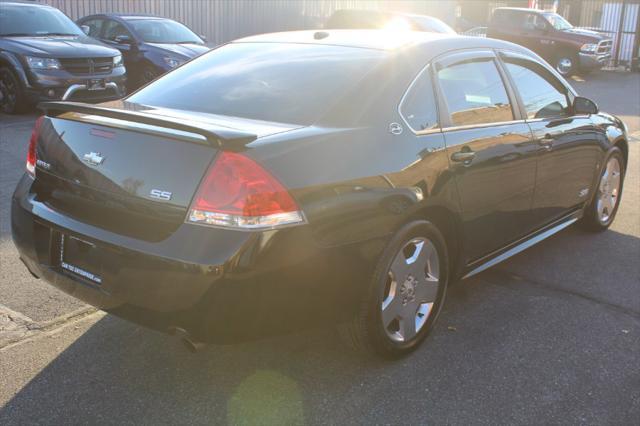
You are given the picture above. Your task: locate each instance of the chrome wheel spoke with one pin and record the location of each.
(408, 326)
(391, 311)
(418, 262)
(614, 182)
(601, 210)
(426, 291)
(399, 267)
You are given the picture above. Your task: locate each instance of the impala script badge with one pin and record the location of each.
(93, 158)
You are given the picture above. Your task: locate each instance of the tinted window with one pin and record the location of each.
(558, 22)
(163, 31)
(543, 96)
(474, 93)
(419, 106)
(95, 25)
(35, 20)
(289, 83)
(534, 22)
(113, 29)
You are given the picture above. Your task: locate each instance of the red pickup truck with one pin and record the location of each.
(568, 49)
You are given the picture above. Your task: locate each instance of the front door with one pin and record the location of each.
(490, 151)
(567, 144)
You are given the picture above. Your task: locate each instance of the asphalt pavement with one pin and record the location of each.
(549, 336)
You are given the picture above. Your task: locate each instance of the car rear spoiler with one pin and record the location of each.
(220, 137)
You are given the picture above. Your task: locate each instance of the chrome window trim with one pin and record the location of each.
(483, 125)
(438, 127)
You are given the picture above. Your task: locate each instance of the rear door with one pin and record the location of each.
(490, 151)
(567, 144)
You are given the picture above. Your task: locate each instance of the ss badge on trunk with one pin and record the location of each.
(159, 194)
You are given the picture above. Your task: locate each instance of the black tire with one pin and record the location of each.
(366, 332)
(12, 97)
(566, 63)
(592, 220)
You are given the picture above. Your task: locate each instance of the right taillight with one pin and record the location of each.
(33, 145)
(238, 193)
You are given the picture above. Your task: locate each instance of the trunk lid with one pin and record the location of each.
(125, 172)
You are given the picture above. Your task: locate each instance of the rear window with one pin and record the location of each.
(288, 83)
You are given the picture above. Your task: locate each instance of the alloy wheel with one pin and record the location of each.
(608, 190)
(564, 65)
(411, 289)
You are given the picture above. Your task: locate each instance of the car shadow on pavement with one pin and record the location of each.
(505, 347)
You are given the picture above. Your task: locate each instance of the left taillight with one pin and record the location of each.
(32, 156)
(238, 193)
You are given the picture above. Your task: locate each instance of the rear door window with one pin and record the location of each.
(474, 93)
(542, 94)
(419, 105)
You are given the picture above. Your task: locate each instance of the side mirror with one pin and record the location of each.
(85, 29)
(203, 37)
(584, 106)
(123, 39)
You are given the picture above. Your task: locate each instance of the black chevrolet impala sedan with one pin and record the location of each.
(296, 179)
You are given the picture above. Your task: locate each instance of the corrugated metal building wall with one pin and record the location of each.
(224, 20)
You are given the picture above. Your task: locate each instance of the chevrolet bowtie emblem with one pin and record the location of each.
(93, 158)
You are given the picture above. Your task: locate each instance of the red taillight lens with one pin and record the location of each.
(33, 143)
(237, 192)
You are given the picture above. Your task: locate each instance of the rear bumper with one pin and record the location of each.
(219, 285)
(591, 61)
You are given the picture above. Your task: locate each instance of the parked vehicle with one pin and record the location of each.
(341, 177)
(150, 45)
(568, 49)
(45, 56)
(374, 19)
(476, 32)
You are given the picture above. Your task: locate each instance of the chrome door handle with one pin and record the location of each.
(462, 156)
(546, 142)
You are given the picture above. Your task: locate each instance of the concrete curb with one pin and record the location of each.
(15, 327)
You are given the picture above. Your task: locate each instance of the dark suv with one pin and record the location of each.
(45, 56)
(567, 48)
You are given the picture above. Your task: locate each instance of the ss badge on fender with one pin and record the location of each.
(159, 194)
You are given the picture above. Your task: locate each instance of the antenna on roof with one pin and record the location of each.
(319, 35)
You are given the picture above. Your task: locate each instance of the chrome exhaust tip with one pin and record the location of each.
(191, 345)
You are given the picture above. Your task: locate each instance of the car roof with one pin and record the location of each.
(427, 43)
(367, 39)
